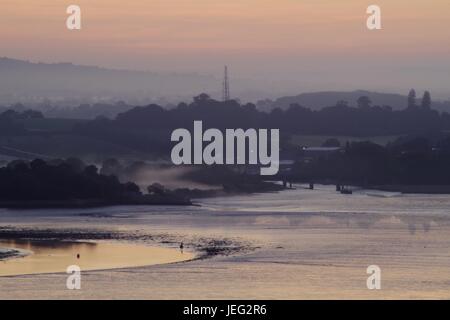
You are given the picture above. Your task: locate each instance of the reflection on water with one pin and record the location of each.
(56, 256)
(323, 206)
(365, 209)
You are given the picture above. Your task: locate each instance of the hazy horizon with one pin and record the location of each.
(273, 46)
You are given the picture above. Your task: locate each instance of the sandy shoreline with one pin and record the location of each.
(203, 247)
(52, 256)
(194, 249)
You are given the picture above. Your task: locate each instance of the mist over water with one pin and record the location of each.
(171, 178)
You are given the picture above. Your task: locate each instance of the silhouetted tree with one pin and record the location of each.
(412, 99)
(426, 100)
(203, 97)
(156, 188)
(364, 102)
(61, 180)
(111, 167)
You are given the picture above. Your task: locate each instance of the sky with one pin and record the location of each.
(277, 45)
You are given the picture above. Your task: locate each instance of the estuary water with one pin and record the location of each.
(300, 244)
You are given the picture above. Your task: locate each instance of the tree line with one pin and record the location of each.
(148, 128)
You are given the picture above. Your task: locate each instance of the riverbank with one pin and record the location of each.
(177, 197)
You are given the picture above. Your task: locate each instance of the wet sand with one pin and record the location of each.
(298, 244)
(55, 256)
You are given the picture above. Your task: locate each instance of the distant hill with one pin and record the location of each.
(37, 85)
(319, 100)
(23, 81)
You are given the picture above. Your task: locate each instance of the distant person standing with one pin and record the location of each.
(181, 247)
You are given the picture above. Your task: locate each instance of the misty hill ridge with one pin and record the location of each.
(319, 100)
(20, 78)
(29, 83)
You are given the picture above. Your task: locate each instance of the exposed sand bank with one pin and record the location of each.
(56, 256)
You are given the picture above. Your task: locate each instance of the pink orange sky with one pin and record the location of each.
(304, 44)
